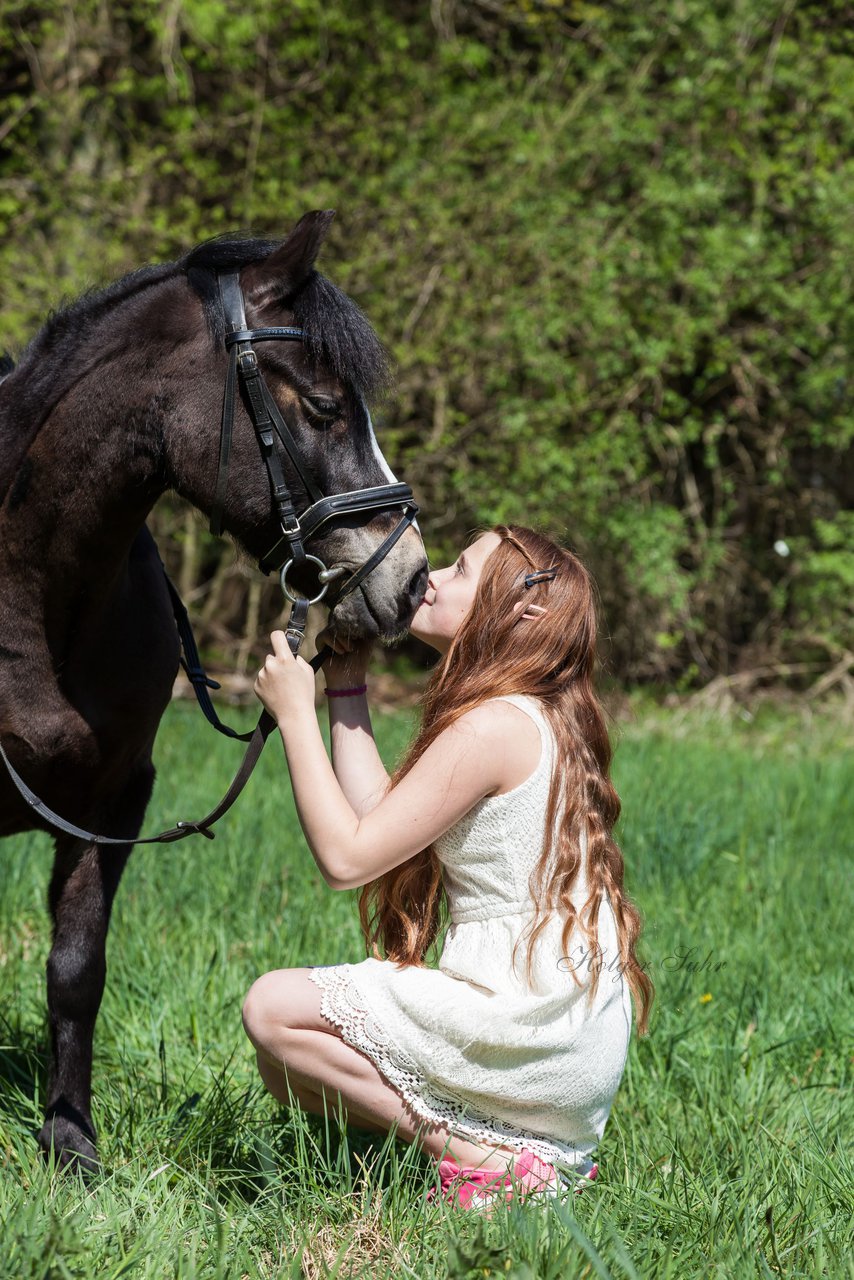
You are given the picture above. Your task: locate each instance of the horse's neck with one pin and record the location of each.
(19, 426)
(73, 594)
(75, 344)
(84, 605)
(78, 498)
(84, 426)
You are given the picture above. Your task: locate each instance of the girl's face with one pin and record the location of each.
(450, 595)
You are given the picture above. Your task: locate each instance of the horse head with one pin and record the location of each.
(321, 385)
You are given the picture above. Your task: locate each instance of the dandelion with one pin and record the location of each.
(704, 999)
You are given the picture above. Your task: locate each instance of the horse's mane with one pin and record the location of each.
(71, 323)
(339, 335)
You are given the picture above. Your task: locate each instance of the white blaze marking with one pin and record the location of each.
(383, 465)
(378, 454)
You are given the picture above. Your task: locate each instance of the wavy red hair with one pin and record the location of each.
(550, 657)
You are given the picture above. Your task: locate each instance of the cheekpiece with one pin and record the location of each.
(540, 575)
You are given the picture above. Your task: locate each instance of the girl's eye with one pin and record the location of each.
(321, 408)
(458, 567)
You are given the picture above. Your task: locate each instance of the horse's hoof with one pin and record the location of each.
(70, 1147)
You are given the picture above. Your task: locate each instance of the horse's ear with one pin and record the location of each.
(281, 275)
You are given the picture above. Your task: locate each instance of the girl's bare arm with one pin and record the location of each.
(490, 749)
(358, 767)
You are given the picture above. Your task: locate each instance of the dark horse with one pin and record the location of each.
(116, 400)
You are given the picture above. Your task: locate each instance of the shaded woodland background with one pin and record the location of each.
(609, 248)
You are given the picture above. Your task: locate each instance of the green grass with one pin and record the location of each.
(727, 1153)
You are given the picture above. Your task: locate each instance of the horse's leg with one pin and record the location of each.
(84, 883)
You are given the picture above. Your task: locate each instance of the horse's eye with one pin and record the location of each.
(321, 408)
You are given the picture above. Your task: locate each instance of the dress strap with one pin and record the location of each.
(531, 706)
(525, 702)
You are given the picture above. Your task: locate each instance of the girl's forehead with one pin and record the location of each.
(482, 547)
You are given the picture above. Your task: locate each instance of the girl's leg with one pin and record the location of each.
(283, 1020)
(286, 1092)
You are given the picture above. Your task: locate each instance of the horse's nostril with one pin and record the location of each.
(418, 585)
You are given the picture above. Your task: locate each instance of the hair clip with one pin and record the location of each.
(540, 575)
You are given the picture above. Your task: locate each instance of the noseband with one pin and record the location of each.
(271, 431)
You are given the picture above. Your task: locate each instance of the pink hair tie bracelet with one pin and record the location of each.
(346, 693)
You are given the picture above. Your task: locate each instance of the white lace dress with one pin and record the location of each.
(473, 1046)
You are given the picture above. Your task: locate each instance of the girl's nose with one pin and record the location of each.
(439, 575)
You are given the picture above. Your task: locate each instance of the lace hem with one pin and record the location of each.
(342, 1003)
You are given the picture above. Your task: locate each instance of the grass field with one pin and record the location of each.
(728, 1151)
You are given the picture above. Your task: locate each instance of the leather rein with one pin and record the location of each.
(287, 552)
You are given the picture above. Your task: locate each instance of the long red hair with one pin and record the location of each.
(550, 656)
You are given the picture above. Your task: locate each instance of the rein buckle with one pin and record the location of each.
(291, 528)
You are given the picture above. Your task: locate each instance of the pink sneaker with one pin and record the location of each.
(534, 1177)
(471, 1188)
(584, 1181)
(482, 1188)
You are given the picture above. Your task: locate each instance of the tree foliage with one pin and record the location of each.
(608, 247)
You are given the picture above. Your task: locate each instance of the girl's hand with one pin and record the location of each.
(285, 684)
(349, 662)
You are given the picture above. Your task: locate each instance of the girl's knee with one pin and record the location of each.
(261, 1009)
(278, 1001)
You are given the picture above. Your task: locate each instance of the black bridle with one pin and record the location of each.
(287, 552)
(272, 431)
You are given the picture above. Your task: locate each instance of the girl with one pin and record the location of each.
(504, 1061)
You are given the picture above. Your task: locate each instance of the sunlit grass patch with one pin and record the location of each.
(728, 1149)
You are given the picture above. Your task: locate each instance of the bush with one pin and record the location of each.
(607, 246)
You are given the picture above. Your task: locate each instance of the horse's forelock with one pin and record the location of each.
(339, 334)
(224, 253)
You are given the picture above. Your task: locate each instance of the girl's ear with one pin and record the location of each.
(532, 611)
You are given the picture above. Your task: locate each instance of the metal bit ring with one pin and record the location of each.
(283, 579)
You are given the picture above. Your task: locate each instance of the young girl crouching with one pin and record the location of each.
(502, 1063)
